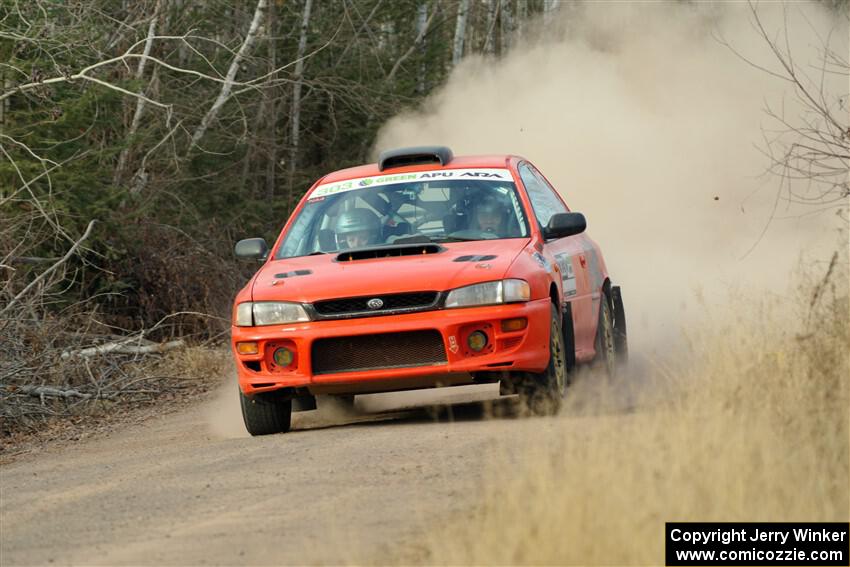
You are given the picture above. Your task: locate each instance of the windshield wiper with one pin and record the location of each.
(457, 239)
(411, 239)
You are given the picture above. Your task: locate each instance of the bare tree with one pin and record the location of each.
(521, 17)
(460, 32)
(295, 110)
(418, 42)
(421, 29)
(490, 34)
(507, 18)
(141, 101)
(809, 149)
(271, 162)
(229, 81)
(549, 9)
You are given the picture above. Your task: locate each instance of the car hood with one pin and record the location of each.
(314, 278)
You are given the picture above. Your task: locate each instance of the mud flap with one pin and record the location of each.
(303, 403)
(569, 337)
(621, 345)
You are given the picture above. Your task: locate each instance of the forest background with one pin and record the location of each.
(139, 140)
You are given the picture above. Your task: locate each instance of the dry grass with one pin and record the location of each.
(753, 426)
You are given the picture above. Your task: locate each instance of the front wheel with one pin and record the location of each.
(542, 394)
(265, 415)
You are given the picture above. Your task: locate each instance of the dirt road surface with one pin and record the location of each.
(194, 488)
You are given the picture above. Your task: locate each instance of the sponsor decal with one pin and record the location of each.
(453, 344)
(544, 263)
(593, 269)
(362, 182)
(568, 275)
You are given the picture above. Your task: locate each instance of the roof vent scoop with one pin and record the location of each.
(402, 157)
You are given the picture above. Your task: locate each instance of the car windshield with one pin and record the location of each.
(367, 212)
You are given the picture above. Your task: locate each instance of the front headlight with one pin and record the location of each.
(244, 314)
(489, 293)
(251, 314)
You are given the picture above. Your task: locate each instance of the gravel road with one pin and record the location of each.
(193, 488)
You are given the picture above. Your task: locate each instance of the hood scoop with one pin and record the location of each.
(293, 274)
(389, 252)
(484, 258)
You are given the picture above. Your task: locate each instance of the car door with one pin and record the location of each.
(569, 254)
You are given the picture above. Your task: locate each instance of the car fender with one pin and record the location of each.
(539, 271)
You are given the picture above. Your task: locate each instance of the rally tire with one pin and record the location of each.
(606, 361)
(543, 393)
(265, 416)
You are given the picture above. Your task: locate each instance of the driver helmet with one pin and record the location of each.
(357, 228)
(489, 215)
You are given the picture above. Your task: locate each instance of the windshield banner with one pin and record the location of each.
(420, 176)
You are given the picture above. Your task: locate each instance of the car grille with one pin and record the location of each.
(392, 303)
(373, 352)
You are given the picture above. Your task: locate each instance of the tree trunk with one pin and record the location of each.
(140, 102)
(295, 111)
(507, 25)
(521, 17)
(549, 9)
(419, 41)
(271, 164)
(227, 86)
(490, 36)
(460, 32)
(421, 29)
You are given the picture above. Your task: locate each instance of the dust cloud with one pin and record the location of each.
(653, 128)
(224, 416)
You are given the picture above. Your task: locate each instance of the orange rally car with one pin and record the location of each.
(423, 270)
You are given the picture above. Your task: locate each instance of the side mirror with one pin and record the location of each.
(252, 249)
(564, 224)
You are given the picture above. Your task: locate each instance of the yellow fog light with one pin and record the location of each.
(283, 357)
(517, 324)
(247, 348)
(477, 341)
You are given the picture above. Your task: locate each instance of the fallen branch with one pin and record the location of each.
(47, 392)
(123, 348)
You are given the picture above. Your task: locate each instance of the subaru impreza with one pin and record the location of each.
(424, 269)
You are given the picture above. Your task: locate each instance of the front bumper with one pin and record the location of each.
(523, 350)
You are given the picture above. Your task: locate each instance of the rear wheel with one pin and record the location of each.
(542, 394)
(265, 415)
